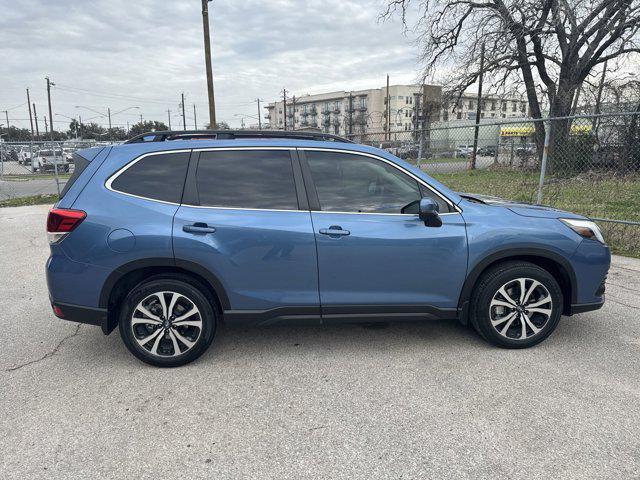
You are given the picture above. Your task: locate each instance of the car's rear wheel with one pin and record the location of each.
(516, 305)
(167, 322)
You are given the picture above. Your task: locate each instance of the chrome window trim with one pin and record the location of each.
(119, 172)
(388, 162)
(124, 168)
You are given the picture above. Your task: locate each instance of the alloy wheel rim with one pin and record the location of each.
(166, 324)
(521, 309)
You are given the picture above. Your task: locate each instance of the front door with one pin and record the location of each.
(371, 257)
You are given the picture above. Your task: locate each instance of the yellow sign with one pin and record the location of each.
(528, 131)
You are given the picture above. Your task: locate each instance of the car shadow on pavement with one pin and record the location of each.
(233, 344)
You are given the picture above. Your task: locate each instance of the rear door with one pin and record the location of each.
(245, 219)
(371, 257)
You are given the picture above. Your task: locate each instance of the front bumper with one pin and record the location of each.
(584, 307)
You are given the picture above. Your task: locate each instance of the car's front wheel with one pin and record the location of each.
(167, 321)
(516, 305)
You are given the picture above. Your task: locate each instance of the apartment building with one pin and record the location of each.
(365, 111)
(492, 107)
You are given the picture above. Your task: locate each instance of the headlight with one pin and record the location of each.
(584, 228)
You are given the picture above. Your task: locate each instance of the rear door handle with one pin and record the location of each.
(198, 227)
(335, 231)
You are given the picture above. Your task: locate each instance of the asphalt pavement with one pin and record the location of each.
(411, 401)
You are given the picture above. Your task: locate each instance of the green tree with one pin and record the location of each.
(147, 126)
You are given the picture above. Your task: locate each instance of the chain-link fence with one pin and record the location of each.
(31, 170)
(586, 164)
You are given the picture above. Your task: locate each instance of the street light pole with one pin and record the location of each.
(207, 58)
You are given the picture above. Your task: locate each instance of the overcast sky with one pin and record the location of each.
(118, 54)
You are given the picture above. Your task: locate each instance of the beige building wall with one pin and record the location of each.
(364, 111)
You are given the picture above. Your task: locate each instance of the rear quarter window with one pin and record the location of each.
(80, 163)
(156, 177)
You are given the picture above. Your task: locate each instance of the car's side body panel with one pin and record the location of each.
(390, 260)
(264, 259)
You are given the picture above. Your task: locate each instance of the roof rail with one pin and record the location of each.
(233, 135)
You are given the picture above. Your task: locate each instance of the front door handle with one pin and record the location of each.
(198, 227)
(335, 231)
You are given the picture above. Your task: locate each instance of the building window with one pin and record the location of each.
(472, 104)
(493, 105)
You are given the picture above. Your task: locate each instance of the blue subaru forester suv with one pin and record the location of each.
(172, 233)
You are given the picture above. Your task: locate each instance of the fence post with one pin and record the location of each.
(55, 167)
(420, 148)
(496, 155)
(31, 155)
(545, 158)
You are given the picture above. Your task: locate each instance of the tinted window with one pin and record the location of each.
(353, 183)
(247, 179)
(80, 163)
(160, 177)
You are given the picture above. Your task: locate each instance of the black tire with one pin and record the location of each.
(486, 291)
(190, 293)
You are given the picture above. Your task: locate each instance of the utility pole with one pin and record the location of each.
(35, 116)
(30, 117)
(6, 114)
(259, 119)
(195, 118)
(141, 119)
(350, 113)
(109, 115)
(293, 113)
(49, 84)
(169, 117)
(207, 58)
(284, 98)
(472, 160)
(46, 129)
(388, 122)
(184, 120)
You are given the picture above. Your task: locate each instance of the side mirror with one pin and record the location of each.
(428, 213)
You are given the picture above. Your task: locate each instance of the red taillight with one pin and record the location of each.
(57, 311)
(61, 221)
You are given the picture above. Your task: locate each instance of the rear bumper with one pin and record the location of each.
(77, 313)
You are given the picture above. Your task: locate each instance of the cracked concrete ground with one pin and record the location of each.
(428, 400)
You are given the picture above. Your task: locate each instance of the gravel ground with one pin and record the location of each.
(421, 400)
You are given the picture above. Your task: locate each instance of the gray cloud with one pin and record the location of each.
(150, 51)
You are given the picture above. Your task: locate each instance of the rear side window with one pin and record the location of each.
(80, 163)
(157, 177)
(246, 179)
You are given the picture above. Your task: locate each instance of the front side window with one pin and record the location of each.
(157, 177)
(261, 179)
(353, 183)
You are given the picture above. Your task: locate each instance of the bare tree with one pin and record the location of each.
(551, 46)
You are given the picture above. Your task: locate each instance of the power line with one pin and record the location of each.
(120, 96)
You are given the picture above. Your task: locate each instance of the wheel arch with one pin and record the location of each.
(554, 263)
(130, 274)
